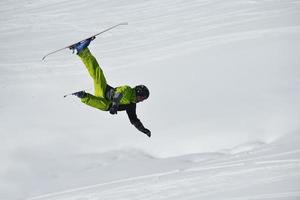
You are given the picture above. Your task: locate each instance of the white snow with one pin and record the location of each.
(224, 107)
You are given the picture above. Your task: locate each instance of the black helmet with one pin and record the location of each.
(142, 91)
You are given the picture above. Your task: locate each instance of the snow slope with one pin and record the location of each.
(269, 172)
(221, 73)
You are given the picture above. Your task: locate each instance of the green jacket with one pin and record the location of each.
(128, 94)
(100, 98)
(103, 103)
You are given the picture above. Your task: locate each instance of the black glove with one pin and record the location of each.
(80, 94)
(141, 128)
(115, 103)
(146, 131)
(113, 109)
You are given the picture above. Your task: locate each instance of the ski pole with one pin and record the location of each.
(66, 95)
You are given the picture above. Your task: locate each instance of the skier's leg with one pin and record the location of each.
(95, 72)
(96, 102)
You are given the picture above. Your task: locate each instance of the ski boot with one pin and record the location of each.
(80, 46)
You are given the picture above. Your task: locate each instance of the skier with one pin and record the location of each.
(106, 97)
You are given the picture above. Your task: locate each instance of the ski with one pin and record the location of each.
(93, 36)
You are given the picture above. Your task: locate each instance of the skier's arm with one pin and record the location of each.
(131, 112)
(96, 102)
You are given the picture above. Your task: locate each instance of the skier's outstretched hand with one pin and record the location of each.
(80, 94)
(146, 131)
(141, 128)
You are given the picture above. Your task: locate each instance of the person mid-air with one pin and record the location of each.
(106, 97)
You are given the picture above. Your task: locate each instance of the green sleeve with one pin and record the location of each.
(96, 102)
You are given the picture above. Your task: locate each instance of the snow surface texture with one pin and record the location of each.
(270, 172)
(223, 75)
